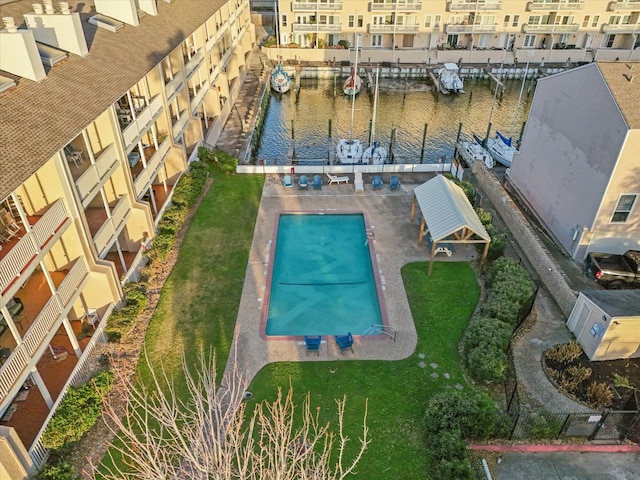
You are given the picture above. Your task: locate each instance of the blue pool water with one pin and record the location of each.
(322, 279)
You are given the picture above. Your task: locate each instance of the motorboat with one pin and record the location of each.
(280, 80)
(349, 151)
(353, 84)
(449, 79)
(475, 152)
(501, 148)
(374, 154)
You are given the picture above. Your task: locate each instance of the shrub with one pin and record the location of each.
(447, 444)
(467, 187)
(121, 322)
(344, 43)
(473, 416)
(77, 412)
(484, 216)
(58, 471)
(219, 159)
(190, 185)
(564, 352)
(543, 425)
(511, 287)
(498, 243)
(599, 394)
(487, 363)
(578, 373)
(458, 468)
(486, 331)
(271, 41)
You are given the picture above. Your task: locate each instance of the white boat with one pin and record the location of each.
(353, 84)
(349, 151)
(374, 154)
(449, 79)
(280, 80)
(477, 153)
(501, 149)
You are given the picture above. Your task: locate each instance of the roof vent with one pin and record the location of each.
(48, 7)
(37, 8)
(10, 24)
(628, 77)
(64, 8)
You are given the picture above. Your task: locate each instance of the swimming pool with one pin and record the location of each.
(322, 279)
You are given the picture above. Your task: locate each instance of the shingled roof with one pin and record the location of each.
(38, 119)
(622, 79)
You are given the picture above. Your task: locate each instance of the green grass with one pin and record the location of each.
(397, 391)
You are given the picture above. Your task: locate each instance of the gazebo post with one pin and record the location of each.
(484, 255)
(420, 236)
(413, 207)
(433, 250)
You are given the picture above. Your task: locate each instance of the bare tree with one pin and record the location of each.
(210, 436)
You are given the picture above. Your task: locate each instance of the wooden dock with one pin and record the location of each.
(495, 79)
(436, 82)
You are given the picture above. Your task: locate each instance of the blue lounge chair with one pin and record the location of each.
(394, 183)
(377, 182)
(317, 182)
(303, 183)
(313, 343)
(287, 182)
(345, 342)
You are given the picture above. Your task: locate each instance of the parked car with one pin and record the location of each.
(614, 271)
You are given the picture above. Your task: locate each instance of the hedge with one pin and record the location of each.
(120, 323)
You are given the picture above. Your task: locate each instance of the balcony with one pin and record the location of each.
(397, 6)
(95, 175)
(148, 174)
(110, 226)
(624, 5)
(23, 255)
(571, 28)
(197, 99)
(316, 27)
(463, 6)
(555, 6)
(180, 124)
(173, 86)
(143, 121)
(449, 28)
(316, 6)
(394, 28)
(621, 28)
(192, 65)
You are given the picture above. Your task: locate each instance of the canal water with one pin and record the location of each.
(404, 105)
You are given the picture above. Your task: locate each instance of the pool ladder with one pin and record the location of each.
(370, 236)
(384, 329)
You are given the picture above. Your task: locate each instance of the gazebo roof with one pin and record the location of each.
(446, 209)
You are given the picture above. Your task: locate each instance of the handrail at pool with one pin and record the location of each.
(386, 329)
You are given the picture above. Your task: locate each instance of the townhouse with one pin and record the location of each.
(102, 104)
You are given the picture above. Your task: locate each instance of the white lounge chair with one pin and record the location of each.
(336, 179)
(358, 182)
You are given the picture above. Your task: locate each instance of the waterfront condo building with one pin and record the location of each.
(102, 104)
(435, 30)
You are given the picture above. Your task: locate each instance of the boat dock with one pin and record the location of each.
(494, 78)
(436, 82)
(460, 153)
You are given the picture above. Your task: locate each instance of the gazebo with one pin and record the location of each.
(447, 216)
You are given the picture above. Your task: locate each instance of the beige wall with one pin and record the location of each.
(622, 340)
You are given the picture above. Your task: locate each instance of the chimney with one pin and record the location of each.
(48, 7)
(37, 8)
(123, 10)
(19, 53)
(64, 8)
(60, 30)
(10, 24)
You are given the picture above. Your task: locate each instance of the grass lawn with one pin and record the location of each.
(397, 391)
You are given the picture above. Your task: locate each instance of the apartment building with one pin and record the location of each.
(576, 29)
(101, 105)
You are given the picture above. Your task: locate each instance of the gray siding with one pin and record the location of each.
(570, 147)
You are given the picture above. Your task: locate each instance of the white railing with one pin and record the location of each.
(396, 6)
(95, 175)
(87, 182)
(72, 281)
(104, 236)
(159, 156)
(42, 325)
(193, 64)
(470, 28)
(555, 6)
(106, 161)
(141, 182)
(197, 99)
(320, 27)
(12, 369)
(173, 86)
(181, 124)
(531, 28)
(120, 211)
(621, 28)
(142, 123)
(624, 5)
(394, 28)
(23, 252)
(461, 6)
(313, 6)
(37, 451)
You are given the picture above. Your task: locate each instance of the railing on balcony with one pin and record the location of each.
(573, 27)
(621, 28)
(471, 28)
(394, 28)
(193, 64)
(317, 27)
(142, 123)
(315, 6)
(72, 281)
(181, 124)
(399, 6)
(173, 86)
(96, 175)
(624, 5)
(12, 369)
(27, 249)
(463, 6)
(554, 6)
(111, 228)
(147, 175)
(196, 101)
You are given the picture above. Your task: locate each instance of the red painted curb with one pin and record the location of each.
(558, 448)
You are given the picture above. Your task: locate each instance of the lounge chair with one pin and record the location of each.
(377, 182)
(345, 342)
(336, 179)
(394, 183)
(358, 182)
(317, 182)
(313, 343)
(287, 182)
(303, 182)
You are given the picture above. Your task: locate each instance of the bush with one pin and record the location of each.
(467, 187)
(77, 412)
(498, 243)
(564, 352)
(121, 322)
(487, 363)
(599, 394)
(57, 471)
(344, 43)
(271, 41)
(190, 185)
(511, 286)
(221, 160)
(543, 425)
(458, 468)
(486, 331)
(484, 216)
(474, 416)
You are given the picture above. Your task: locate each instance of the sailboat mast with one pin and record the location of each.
(353, 95)
(515, 112)
(277, 18)
(375, 109)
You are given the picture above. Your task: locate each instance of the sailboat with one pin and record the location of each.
(353, 84)
(374, 154)
(279, 79)
(349, 151)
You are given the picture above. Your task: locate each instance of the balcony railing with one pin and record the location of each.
(196, 101)
(111, 228)
(316, 27)
(316, 6)
(555, 6)
(181, 124)
(473, 6)
(470, 28)
(193, 64)
(394, 28)
(173, 86)
(398, 6)
(551, 28)
(620, 29)
(136, 129)
(624, 5)
(96, 175)
(33, 245)
(143, 181)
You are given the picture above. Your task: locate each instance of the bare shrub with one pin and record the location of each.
(565, 352)
(600, 394)
(578, 373)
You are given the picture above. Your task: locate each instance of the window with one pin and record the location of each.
(585, 22)
(427, 21)
(529, 41)
(516, 20)
(436, 22)
(360, 21)
(608, 41)
(352, 21)
(507, 19)
(596, 18)
(376, 40)
(623, 208)
(284, 20)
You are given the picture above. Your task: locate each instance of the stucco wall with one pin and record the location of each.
(538, 256)
(570, 147)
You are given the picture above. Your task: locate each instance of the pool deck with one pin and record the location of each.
(395, 245)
